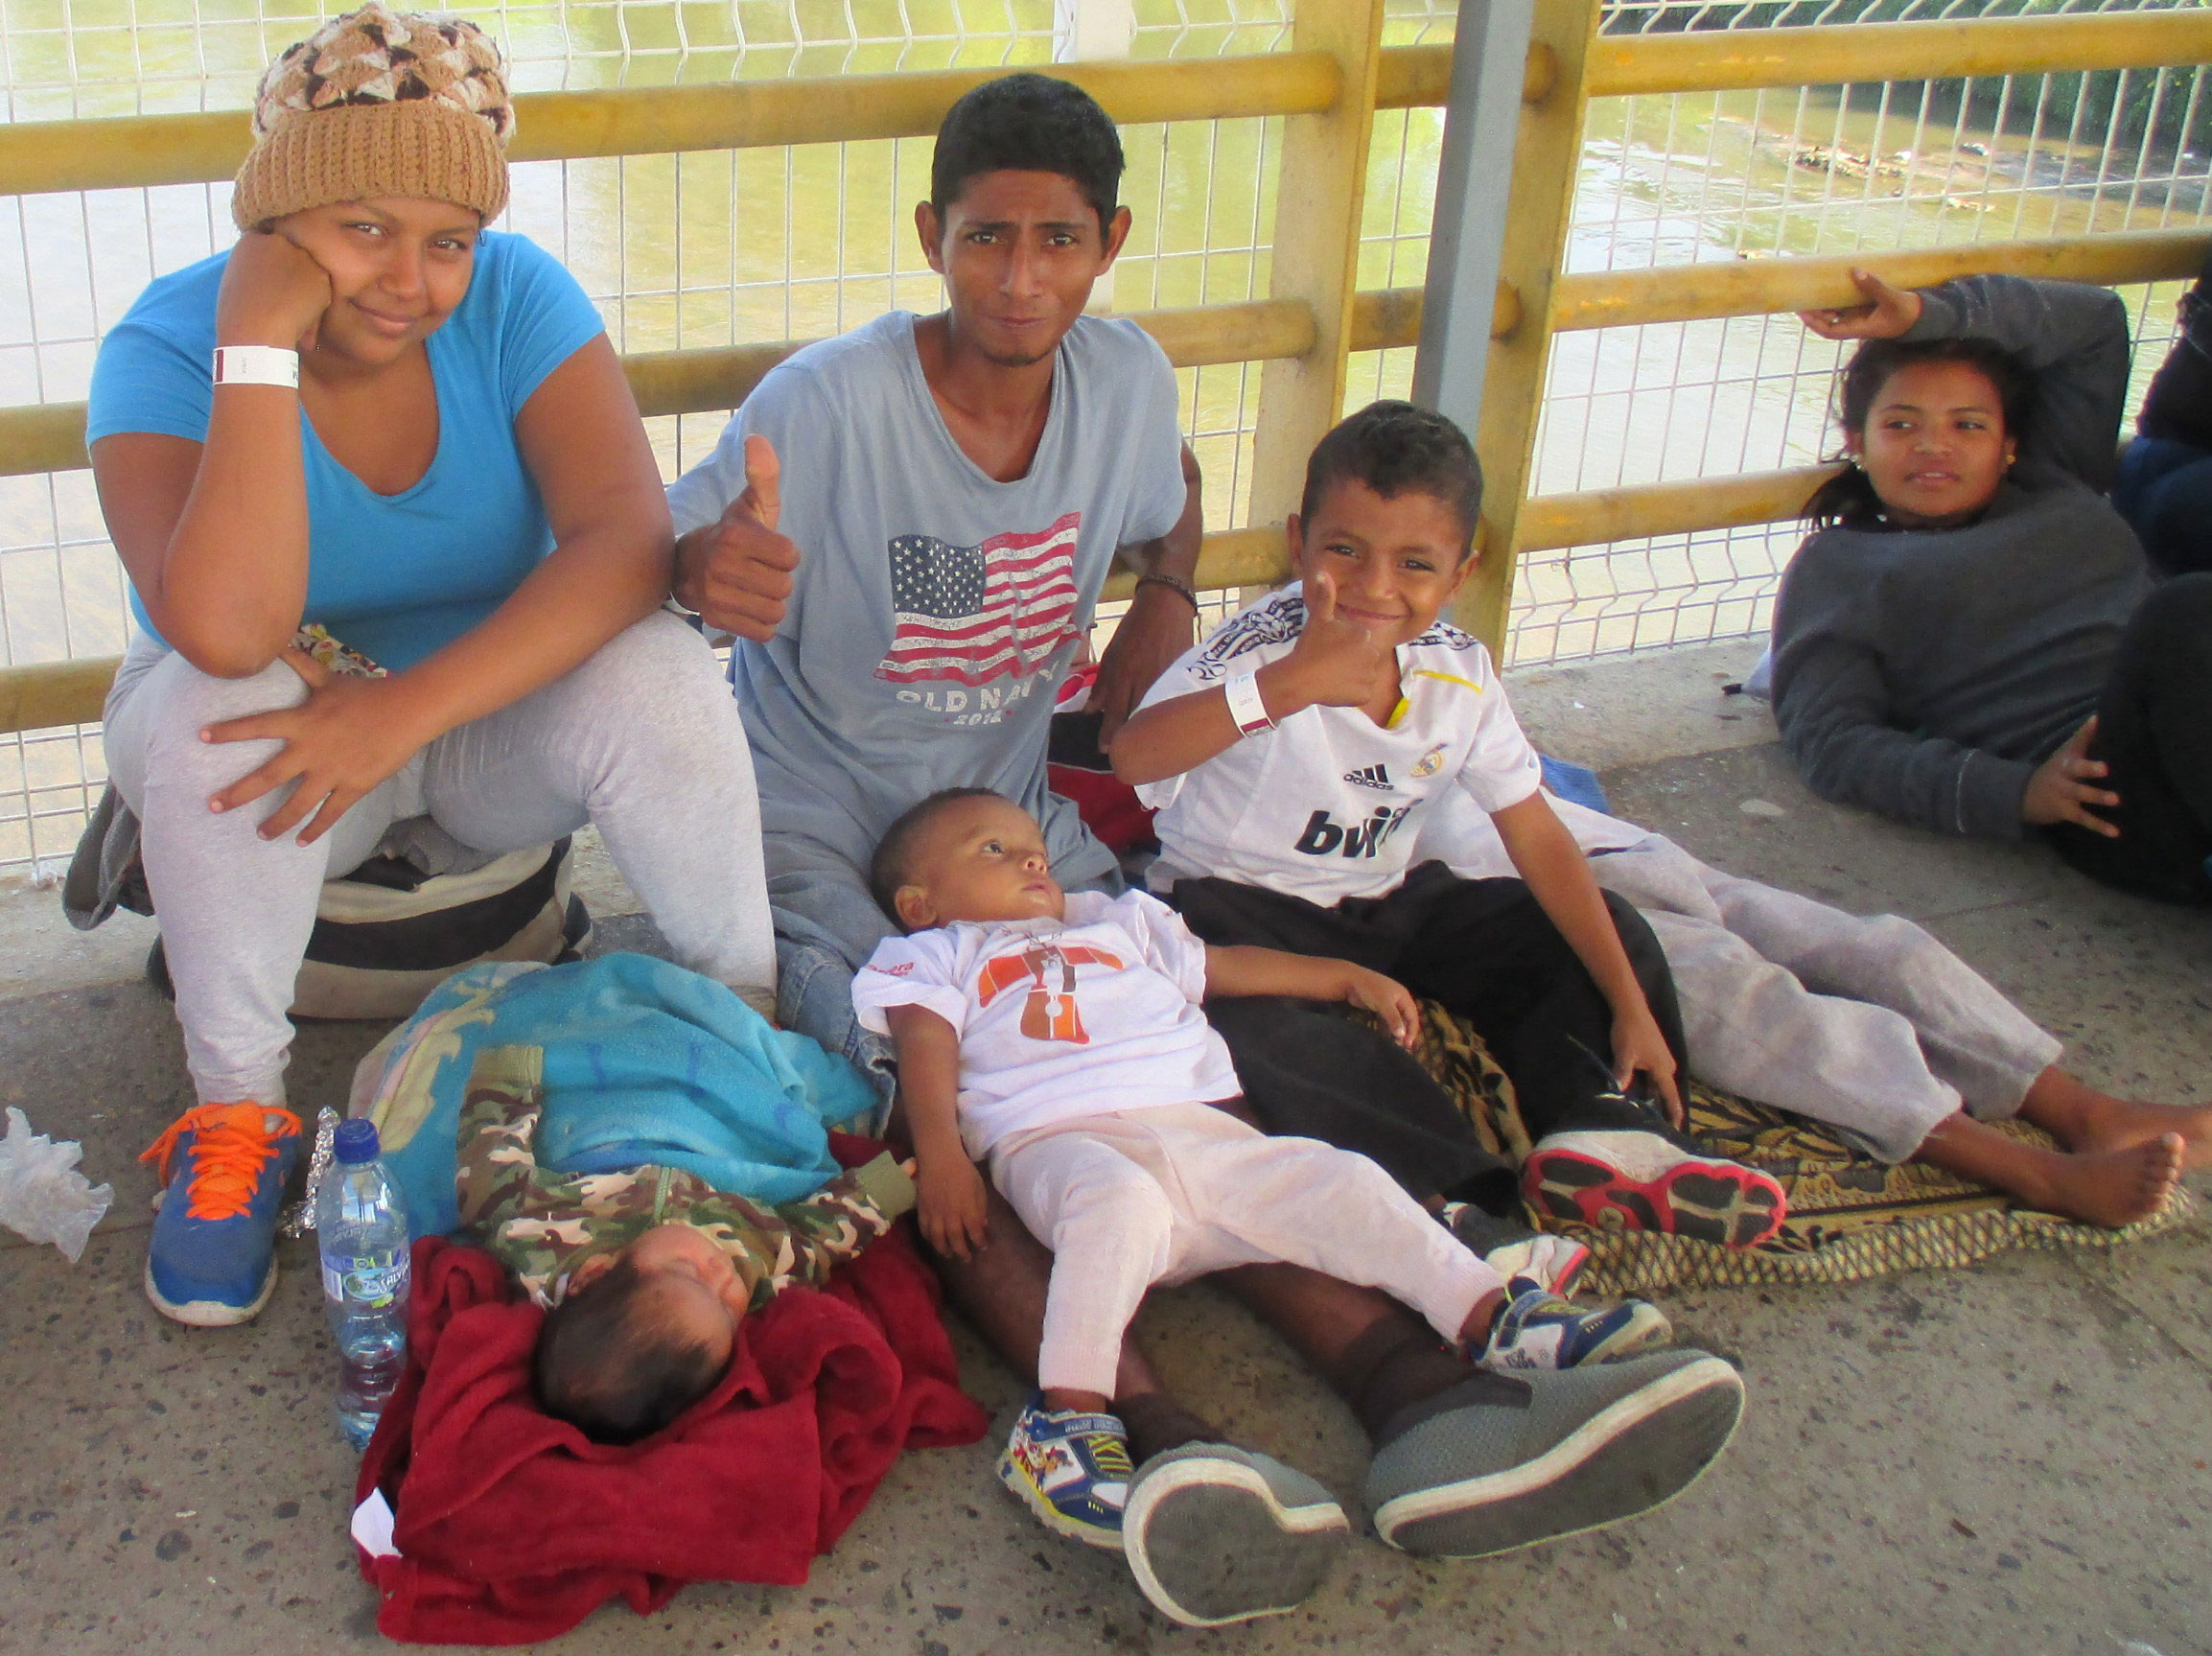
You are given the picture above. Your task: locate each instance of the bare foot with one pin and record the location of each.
(2084, 1119)
(2122, 1124)
(2113, 1187)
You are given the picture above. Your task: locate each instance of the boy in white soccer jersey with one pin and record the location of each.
(1060, 1038)
(1294, 757)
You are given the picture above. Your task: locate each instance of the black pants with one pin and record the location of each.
(1483, 948)
(2155, 730)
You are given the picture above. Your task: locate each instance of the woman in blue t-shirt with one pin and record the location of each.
(417, 444)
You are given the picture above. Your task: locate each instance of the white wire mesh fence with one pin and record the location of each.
(710, 249)
(1824, 170)
(695, 251)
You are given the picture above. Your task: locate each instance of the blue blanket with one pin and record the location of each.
(643, 1062)
(1576, 782)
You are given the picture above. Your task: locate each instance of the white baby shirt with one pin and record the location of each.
(1060, 1020)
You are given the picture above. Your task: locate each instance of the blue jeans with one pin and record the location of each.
(2164, 490)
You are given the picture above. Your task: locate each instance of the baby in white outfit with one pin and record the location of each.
(1060, 1038)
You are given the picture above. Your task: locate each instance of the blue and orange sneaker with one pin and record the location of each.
(1072, 1469)
(212, 1259)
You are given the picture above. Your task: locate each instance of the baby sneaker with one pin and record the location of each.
(211, 1261)
(1070, 1468)
(1537, 1329)
(1543, 1258)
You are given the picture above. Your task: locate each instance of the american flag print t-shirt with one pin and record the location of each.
(974, 614)
(934, 607)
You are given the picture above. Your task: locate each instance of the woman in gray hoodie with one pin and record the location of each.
(1972, 639)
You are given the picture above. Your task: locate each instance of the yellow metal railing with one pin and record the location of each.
(1575, 63)
(1327, 88)
(1746, 59)
(129, 151)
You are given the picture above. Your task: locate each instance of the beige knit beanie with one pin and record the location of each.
(379, 103)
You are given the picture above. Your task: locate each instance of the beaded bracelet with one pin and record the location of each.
(1175, 583)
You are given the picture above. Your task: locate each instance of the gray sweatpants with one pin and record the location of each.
(1869, 1024)
(643, 741)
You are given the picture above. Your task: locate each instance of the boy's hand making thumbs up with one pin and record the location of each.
(734, 573)
(1335, 662)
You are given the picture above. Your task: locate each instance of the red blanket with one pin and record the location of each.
(512, 1526)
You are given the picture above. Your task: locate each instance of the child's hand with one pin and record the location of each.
(1886, 313)
(953, 1206)
(2064, 787)
(1387, 999)
(1335, 662)
(1638, 1045)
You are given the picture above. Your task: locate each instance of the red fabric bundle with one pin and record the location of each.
(513, 1527)
(1108, 806)
(1077, 769)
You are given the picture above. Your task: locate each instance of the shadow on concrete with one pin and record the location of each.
(2011, 1460)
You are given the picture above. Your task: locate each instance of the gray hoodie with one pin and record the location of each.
(1925, 673)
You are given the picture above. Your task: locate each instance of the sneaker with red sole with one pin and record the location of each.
(211, 1261)
(1640, 1181)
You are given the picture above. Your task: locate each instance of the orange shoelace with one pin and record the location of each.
(231, 1143)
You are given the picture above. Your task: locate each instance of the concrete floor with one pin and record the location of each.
(2011, 1459)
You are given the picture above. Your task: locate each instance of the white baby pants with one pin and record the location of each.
(1161, 1196)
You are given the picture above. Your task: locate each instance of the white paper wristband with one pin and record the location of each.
(1246, 705)
(256, 365)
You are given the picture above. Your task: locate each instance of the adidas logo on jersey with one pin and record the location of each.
(1370, 776)
(1363, 839)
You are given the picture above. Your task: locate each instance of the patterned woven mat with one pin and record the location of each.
(1849, 1216)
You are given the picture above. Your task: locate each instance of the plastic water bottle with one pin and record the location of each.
(362, 1226)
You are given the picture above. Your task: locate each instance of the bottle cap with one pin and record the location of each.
(355, 1142)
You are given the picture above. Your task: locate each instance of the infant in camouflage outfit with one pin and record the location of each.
(644, 1274)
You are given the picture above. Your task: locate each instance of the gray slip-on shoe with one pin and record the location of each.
(1495, 1464)
(1215, 1533)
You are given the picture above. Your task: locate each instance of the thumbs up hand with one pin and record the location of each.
(735, 573)
(763, 472)
(1335, 662)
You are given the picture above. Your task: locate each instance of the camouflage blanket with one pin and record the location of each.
(544, 1225)
(1849, 1216)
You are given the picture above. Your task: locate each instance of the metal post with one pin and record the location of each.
(1322, 182)
(1534, 242)
(1084, 29)
(1474, 187)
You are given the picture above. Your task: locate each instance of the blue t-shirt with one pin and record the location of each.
(395, 576)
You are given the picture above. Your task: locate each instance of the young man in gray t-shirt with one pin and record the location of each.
(960, 486)
(937, 604)
(907, 527)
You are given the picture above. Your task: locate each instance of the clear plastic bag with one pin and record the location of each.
(42, 1195)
